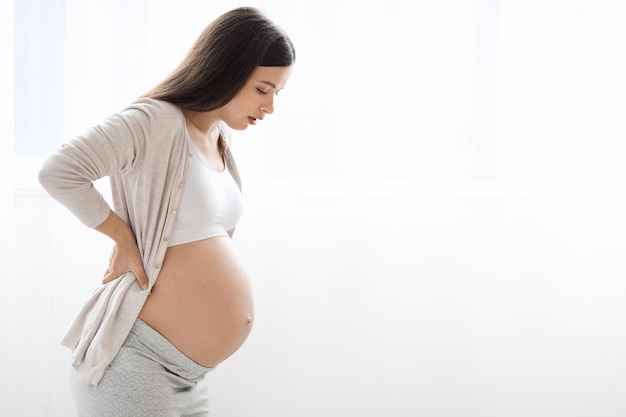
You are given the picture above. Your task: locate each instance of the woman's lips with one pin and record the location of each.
(251, 120)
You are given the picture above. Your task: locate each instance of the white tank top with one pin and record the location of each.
(211, 203)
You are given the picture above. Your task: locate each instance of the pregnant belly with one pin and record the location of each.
(202, 301)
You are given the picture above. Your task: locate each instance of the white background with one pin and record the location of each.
(435, 220)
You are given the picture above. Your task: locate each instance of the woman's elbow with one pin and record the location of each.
(45, 174)
(51, 174)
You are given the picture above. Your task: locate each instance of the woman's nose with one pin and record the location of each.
(268, 107)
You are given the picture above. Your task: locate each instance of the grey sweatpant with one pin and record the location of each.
(149, 377)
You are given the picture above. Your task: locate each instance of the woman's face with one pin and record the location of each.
(256, 98)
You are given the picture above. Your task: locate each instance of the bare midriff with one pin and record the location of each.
(202, 300)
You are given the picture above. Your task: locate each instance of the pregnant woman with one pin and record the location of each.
(175, 300)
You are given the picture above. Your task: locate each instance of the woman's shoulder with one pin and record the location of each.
(147, 117)
(152, 108)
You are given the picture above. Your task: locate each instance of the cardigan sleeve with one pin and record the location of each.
(116, 145)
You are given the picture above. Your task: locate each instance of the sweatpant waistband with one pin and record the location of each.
(155, 346)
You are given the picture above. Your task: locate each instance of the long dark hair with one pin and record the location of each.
(223, 58)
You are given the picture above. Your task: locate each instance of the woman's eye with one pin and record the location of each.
(261, 91)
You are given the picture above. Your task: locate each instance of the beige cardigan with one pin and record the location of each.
(144, 152)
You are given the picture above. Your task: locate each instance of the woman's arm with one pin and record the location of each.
(125, 256)
(116, 145)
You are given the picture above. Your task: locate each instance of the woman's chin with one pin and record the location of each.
(238, 126)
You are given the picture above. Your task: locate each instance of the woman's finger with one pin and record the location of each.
(142, 279)
(110, 275)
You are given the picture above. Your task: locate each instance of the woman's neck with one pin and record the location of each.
(204, 124)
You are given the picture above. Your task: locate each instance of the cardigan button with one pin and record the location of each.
(181, 185)
(174, 211)
(157, 266)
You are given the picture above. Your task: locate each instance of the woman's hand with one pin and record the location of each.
(125, 257)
